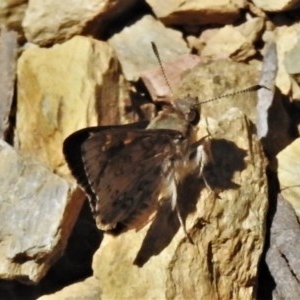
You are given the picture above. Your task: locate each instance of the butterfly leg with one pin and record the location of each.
(204, 160)
(175, 206)
(182, 224)
(205, 156)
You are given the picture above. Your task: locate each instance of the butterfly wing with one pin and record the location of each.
(72, 150)
(121, 168)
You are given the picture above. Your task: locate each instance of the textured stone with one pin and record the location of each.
(286, 39)
(292, 66)
(233, 42)
(37, 216)
(193, 12)
(63, 89)
(85, 290)
(277, 6)
(209, 80)
(289, 174)
(8, 66)
(156, 83)
(291, 61)
(12, 13)
(266, 97)
(71, 17)
(226, 227)
(271, 109)
(133, 46)
(283, 256)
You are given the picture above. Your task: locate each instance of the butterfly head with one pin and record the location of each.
(190, 109)
(181, 116)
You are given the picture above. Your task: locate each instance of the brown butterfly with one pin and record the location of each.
(128, 170)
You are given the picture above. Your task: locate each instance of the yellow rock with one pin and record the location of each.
(289, 174)
(60, 90)
(226, 226)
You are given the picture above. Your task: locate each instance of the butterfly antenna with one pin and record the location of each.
(249, 89)
(155, 50)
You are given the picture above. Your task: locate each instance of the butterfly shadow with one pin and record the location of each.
(227, 159)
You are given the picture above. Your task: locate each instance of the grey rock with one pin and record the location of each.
(133, 46)
(36, 215)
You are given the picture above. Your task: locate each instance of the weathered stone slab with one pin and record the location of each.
(277, 6)
(197, 12)
(52, 21)
(37, 215)
(226, 225)
(133, 46)
(289, 174)
(12, 13)
(213, 79)
(8, 66)
(84, 290)
(63, 89)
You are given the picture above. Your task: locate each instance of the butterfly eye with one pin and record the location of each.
(193, 117)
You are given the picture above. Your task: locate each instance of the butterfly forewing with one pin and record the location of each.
(73, 154)
(124, 169)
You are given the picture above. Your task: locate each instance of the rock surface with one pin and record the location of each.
(226, 225)
(286, 39)
(276, 6)
(232, 42)
(8, 66)
(67, 82)
(271, 108)
(135, 52)
(86, 290)
(63, 89)
(71, 18)
(156, 83)
(213, 79)
(12, 13)
(283, 257)
(197, 12)
(37, 216)
(289, 174)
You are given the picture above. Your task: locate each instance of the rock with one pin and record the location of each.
(75, 82)
(63, 89)
(216, 78)
(88, 289)
(196, 12)
(226, 226)
(37, 216)
(8, 66)
(266, 96)
(270, 109)
(252, 29)
(12, 13)
(232, 42)
(134, 51)
(256, 11)
(292, 64)
(283, 257)
(71, 18)
(157, 85)
(277, 6)
(292, 67)
(286, 39)
(289, 174)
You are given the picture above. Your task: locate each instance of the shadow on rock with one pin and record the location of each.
(227, 159)
(166, 223)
